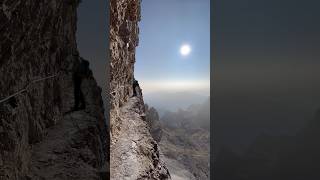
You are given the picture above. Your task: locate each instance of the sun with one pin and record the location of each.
(185, 50)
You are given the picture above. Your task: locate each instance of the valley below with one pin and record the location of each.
(184, 140)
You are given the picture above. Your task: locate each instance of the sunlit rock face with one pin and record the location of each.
(124, 17)
(134, 153)
(38, 40)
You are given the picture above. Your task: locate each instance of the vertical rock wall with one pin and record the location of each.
(134, 154)
(124, 17)
(37, 40)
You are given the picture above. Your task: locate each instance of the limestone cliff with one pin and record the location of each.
(134, 154)
(38, 53)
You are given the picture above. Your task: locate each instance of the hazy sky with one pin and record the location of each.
(266, 60)
(165, 27)
(92, 36)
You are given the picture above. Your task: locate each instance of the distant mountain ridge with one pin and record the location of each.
(173, 101)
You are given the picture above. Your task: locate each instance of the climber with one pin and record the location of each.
(134, 86)
(82, 72)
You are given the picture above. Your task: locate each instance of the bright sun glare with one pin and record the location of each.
(185, 50)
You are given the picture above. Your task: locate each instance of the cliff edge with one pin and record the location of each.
(134, 154)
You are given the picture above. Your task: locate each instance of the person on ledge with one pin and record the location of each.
(135, 87)
(81, 72)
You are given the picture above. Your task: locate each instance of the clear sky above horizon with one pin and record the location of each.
(92, 37)
(165, 26)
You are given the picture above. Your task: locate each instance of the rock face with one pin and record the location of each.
(185, 142)
(38, 55)
(186, 152)
(76, 147)
(134, 154)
